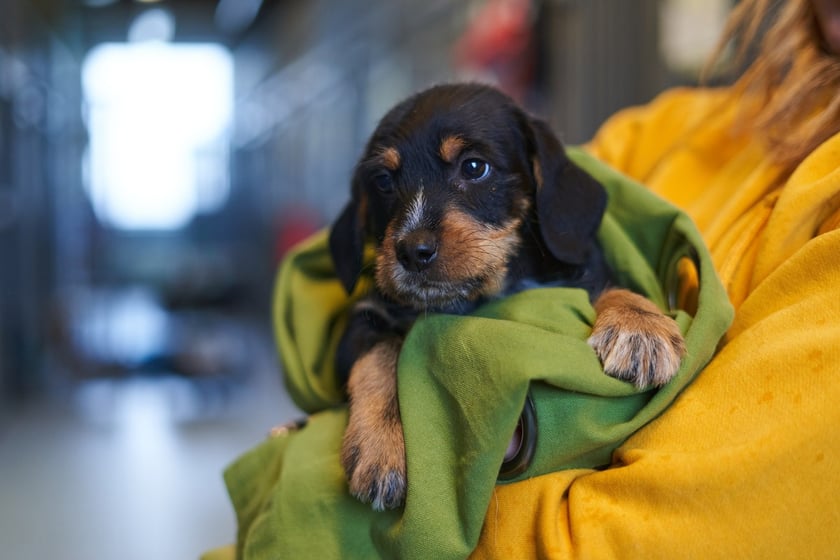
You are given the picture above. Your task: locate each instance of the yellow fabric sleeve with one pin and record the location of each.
(746, 462)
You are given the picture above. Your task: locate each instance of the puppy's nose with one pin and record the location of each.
(417, 250)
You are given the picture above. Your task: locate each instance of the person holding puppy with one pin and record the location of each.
(746, 463)
(743, 463)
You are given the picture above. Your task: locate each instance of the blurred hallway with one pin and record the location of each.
(157, 159)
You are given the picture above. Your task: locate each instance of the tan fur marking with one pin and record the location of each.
(373, 449)
(634, 340)
(538, 176)
(450, 147)
(470, 248)
(387, 267)
(390, 158)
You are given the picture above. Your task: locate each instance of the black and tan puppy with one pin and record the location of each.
(466, 198)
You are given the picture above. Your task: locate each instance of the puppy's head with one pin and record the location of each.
(445, 189)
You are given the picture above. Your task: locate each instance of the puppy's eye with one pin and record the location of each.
(384, 182)
(475, 169)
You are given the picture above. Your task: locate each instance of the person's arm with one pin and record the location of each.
(746, 463)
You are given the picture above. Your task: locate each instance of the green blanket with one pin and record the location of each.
(463, 381)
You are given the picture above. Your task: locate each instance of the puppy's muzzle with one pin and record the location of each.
(417, 250)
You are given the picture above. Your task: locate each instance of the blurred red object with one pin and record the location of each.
(499, 46)
(295, 224)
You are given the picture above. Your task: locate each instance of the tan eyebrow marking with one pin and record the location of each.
(390, 158)
(450, 147)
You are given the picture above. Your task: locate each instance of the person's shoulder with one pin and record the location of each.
(635, 139)
(672, 112)
(693, 101)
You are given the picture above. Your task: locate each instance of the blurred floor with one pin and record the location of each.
(130, 469)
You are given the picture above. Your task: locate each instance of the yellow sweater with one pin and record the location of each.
(746, 463)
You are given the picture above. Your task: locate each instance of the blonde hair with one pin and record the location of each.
(791, 89)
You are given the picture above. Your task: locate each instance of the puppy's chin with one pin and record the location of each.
(422, 293)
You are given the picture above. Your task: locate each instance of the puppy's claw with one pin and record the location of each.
(381, 487)
(637, 343)
(375, 473)
(385, 492)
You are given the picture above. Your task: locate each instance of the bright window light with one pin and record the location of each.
(159, 117)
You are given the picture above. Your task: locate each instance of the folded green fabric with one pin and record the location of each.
(463, 382)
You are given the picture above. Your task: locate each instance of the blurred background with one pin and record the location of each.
(157, 159)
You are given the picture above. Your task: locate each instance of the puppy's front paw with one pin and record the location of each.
(635, 341)
(375, 466)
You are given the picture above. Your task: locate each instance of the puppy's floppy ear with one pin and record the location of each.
(347, 240)
(570, 203)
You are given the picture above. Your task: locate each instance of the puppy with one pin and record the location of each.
(466, 198)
